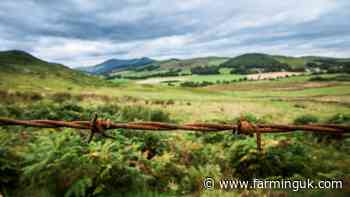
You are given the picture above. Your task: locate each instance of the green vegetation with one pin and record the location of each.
(330, 65)
(331, 78)
(254, 63)
(296, 64)
(48, 161)
(306, 119)
(195, 62)
(167, 67)
(205, 70)
(59, 162)
(208, 80)
(244, 64)
(213, 78)
(20, 70)
(146, 74)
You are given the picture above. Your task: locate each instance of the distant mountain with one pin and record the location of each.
(113, 65)
(258, 62)
(19, 68)
(243, 64)
(170, 67)
(190, 63)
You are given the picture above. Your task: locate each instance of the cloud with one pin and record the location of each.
(84, 32)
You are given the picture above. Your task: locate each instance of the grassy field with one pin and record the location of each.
(193, 78)
(272, 98)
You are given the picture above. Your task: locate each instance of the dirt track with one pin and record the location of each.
(160, 80)
(272, 75)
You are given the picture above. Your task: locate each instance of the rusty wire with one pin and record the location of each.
(242, 127)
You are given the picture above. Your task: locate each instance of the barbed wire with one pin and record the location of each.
(241, 127)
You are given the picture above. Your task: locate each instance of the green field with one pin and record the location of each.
(262, 98)
(213, 78)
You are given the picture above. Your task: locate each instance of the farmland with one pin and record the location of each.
(174, 163)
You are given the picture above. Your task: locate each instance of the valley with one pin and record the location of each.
(31, 88)
(222, 97)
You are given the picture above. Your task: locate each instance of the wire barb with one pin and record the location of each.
(242, 127)
(93, 127)
(258, 140)
(98, 126)
(247, 128)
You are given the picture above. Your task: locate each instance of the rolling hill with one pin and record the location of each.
(243, 64)
(190, 63)
(258, 62)
(171, 67)
(254, 62)
(18, 68)
(21, 70)
(114, 65)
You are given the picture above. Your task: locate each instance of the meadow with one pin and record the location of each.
(263, 98)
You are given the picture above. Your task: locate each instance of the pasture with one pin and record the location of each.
(171, 163)
(278, 99)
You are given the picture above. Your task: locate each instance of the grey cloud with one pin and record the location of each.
(79, 32)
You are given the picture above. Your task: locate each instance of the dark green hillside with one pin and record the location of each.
(330, 65)
(114, 65)
(171, 67)
(21, 69)
(257, 62)
(20, 62)
(18, 57)
(254, 62)
(243, 64)
(184, 64)
(195, 62)
(295, 63)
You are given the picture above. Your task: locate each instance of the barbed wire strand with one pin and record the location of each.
(241, 127)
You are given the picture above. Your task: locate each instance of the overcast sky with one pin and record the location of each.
(87, 32)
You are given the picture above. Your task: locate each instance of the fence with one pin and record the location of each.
(241, 127)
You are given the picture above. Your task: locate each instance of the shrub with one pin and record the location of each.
(213, 137)
(250, 118)
(9, 168)
(333, 138)
(193, 180)
(46, 110)
(36, 97)
(70, 111)
(247, 163)
(69, 167)
(318, 78)
(158, 102)
(159, 116)
(170, 102)
(111, 112)
(306, 119)
(339, 118)
(133, 113)
(11, 97)
(298, 105)
(343, 77)
(152, 145)
(205, 70)
(61, 97)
